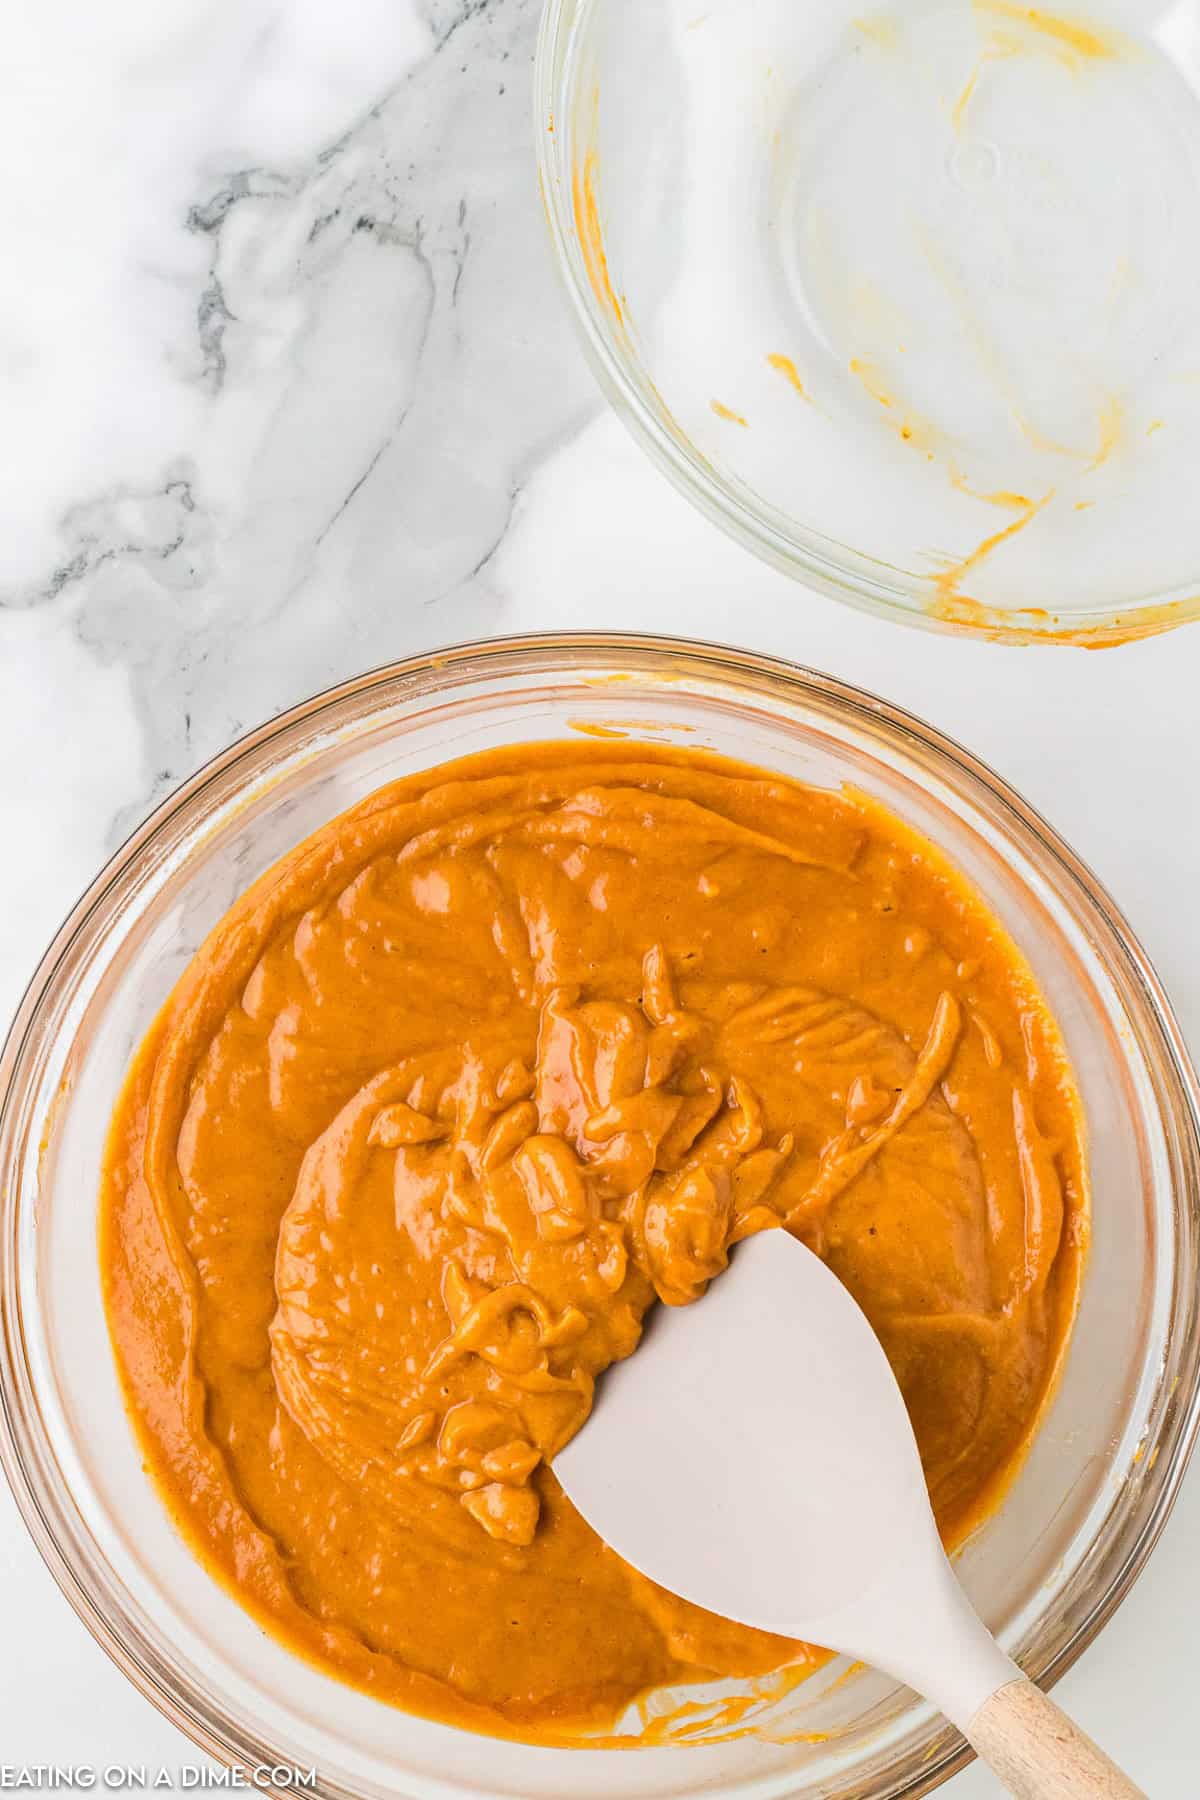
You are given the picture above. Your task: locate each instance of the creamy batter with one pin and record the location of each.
(469, 1080)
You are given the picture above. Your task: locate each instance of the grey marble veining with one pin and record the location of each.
(385, 361)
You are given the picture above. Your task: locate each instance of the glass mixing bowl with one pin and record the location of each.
(1047, 1571)
(904, 298)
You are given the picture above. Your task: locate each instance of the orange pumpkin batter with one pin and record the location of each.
(458, 1088)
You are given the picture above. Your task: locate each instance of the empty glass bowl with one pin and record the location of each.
(1047, 1571)
(906, 297)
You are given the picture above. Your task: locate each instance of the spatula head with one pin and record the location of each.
(755, 1455)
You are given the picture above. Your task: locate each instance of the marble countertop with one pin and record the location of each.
(290, 391)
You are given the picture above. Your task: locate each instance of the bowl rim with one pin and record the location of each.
(29, 1465)
(835, 569)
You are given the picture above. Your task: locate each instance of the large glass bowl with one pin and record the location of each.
(1047, 1571)
(905, 297)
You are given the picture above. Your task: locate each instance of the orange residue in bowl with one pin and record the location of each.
(1066, 34)
(1037, 625)
(1112, 423)
(879, 29)
(788, 369)
(947, 581)
(627, 728)
(998, 497)
(726, 412)
(1066, 39)
(735, 1716)
(949, 603)
(909, 427)
(998, 48)
(591, 237)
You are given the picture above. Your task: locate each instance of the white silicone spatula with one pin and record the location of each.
(756, 1457)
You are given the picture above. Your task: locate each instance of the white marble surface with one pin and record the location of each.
(288, 391)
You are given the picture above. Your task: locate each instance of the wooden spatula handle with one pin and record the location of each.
(1039, 1754)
